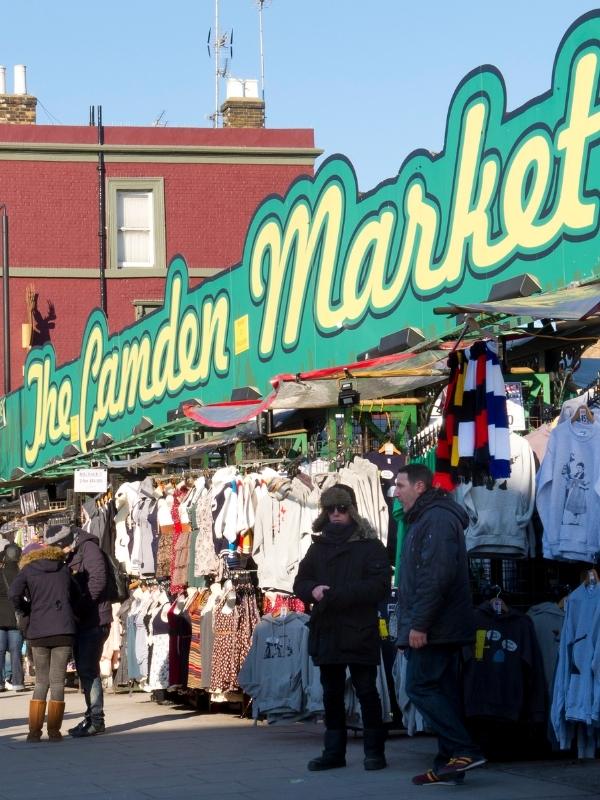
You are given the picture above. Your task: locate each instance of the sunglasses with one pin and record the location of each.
(339, 509)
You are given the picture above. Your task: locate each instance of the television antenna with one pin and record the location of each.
(261, 5)
(220, 42)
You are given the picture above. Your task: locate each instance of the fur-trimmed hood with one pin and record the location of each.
(341, 494)
(49, 553)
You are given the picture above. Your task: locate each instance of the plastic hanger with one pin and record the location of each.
(498, 604)
(389, 448)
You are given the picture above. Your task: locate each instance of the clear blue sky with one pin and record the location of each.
(373, 79)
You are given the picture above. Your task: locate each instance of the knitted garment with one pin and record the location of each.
(474, 436)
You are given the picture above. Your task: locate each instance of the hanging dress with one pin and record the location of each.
(159, 667)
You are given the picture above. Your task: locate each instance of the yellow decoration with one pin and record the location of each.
(241, 334)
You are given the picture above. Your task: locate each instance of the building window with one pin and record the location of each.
(135, 229)
(136, 225)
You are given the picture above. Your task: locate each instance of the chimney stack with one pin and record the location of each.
(243, 108)
(18, 108)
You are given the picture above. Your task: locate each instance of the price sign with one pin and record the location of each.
(91, 481)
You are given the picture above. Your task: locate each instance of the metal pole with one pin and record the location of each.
(5, 299)
(262, 52)
(217, 49)
(101, 214)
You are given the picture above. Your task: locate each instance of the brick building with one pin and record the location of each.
(165, 191)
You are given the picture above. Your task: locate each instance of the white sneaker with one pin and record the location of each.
(8, 685)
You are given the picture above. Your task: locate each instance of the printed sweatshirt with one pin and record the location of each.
(568, 492)
(499, 514)
(282, 529)
(276, 670)
(503, 673)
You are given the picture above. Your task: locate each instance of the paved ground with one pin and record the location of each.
(171, 752)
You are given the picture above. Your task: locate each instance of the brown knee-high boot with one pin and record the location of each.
(56, 710)
(37, 712)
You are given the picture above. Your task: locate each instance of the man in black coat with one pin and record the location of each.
(435, 617)
(344, 575)
(94, 616)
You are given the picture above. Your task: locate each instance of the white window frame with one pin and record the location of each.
(154, 188)
(145, 307)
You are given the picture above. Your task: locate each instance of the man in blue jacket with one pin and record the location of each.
(435, 618)
(94, 617)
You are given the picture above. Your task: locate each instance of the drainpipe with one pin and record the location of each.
(101, 214)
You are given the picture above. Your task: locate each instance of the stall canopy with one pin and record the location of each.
(570, 303)
(373, 379)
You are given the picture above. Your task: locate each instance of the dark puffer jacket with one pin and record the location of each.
(45, 580)
(8, 572)
(88, 566)
(433, 593)
(343, 627)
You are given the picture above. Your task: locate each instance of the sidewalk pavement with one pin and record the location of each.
(152, 751)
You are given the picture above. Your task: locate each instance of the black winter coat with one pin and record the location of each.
(45, 580)
(434, 596)
(7, 611)
(343, 627)
(88, 566)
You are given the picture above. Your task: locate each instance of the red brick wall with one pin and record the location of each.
(53, 217)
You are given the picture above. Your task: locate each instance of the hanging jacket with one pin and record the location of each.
(503, 672)
(43, 589)
(96, 523)
(433, 589)
(576, 687)
(548, 619)
(344, 626)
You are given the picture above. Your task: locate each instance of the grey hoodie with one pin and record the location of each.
(499, 515)
(276, 672)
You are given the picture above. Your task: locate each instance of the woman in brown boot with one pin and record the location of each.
(43, 591)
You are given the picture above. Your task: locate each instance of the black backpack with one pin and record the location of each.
(117, 581)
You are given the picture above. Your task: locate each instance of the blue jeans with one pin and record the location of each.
(432, 683)
(11, 640)
(87, 652)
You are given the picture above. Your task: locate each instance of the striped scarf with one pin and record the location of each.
(474, 434)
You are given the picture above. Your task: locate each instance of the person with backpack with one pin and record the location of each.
(93, 613)
(42, 593)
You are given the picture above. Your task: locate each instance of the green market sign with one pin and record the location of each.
(326, 271)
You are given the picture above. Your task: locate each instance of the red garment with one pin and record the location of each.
(283, 601)
(178, 496)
